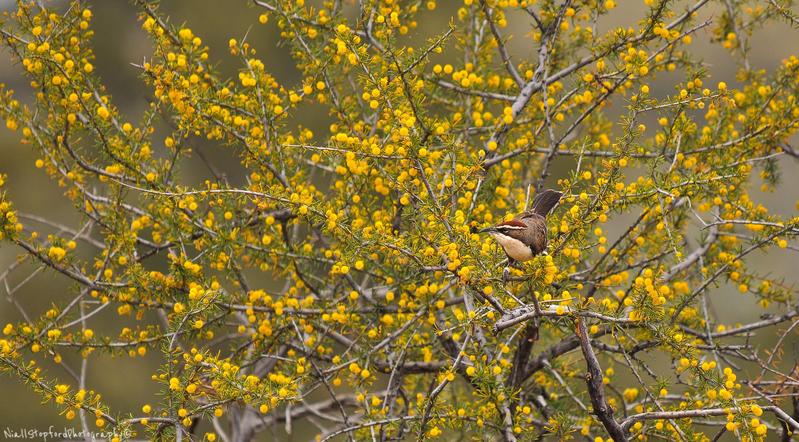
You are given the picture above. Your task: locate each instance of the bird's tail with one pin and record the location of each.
(545, 201)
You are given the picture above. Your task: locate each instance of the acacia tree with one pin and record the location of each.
(387, 317)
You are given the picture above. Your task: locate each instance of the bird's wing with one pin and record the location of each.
(537, 233)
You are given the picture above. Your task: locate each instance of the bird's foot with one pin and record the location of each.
(506, 275)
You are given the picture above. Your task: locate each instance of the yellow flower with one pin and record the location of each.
(56, 253)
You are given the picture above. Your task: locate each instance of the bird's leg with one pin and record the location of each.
(506, 272)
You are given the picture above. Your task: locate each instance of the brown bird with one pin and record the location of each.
(525, 236)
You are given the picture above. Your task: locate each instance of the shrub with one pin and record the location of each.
(342, 284)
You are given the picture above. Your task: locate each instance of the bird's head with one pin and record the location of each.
(503, 227)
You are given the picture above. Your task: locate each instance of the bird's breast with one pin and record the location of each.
(513, 247)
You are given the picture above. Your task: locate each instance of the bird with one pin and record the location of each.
(525, 236)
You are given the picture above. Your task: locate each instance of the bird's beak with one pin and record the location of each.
(474, 229)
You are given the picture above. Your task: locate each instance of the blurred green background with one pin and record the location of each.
(125, 383)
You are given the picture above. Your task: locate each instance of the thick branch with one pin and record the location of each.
(596, 389)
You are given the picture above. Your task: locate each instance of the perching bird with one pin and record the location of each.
(525, 236)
